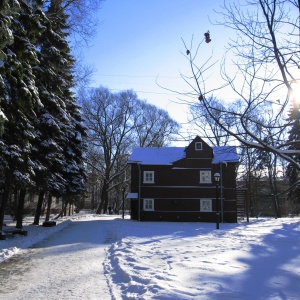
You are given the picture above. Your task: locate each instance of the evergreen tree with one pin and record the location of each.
(52, 119)
(19, 103)
(72, 144)
(294, 139)
(59, 147)
(8, 9)
(42, 143)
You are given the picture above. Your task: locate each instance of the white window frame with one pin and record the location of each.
(206, 205)
(148, 174)
(197, 144)
(148, 204)
(205, 176)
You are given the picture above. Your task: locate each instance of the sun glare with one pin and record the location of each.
(296, 92)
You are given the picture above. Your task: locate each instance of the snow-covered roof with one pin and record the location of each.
(156, 156)
(132, 196)
(225, 154)
(168, 155)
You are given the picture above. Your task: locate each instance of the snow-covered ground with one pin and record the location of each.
(161, 260)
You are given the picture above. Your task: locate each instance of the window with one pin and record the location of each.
(148, 176)
(205, 176)
(198, 146)
(148, 204)
(205, 205)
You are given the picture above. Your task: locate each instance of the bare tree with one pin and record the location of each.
(82, 20)
(117, 123)
(153, 126)
(206, 126)
(265, 69)
(108, 122)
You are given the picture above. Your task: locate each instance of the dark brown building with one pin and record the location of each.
(177, 183)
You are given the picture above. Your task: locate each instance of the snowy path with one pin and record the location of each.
(107, 258)
(68, 265)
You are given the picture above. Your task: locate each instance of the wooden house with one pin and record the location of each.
(177, 183)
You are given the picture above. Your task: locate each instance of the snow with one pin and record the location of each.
(2, 115)
(157, 156)
(223, 154)
(168, 155)
(105, 257)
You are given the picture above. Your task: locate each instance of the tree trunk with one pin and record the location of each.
(99, 208)
(274, 190)
(93, 197)
(63, 209)
(14, 205)
(61, 213)
(20, 210)
(48, 207)
(4, 201)
(106, 204)
(276, 207)
(39, 208)
(104, 197)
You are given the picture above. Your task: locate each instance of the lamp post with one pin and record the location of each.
(217, 180)
(123, 200)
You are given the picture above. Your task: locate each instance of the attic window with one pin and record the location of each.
(198, 146)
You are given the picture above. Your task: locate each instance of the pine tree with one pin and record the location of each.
(294, 136)
(59, 147)
(19, 103)
(8, 9)
(72, 144)
(52, 119)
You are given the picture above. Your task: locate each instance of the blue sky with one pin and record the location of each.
(138, 41)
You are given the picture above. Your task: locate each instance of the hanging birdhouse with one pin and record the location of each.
(207, 37)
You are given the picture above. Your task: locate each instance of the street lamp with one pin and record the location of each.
(217, 180)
